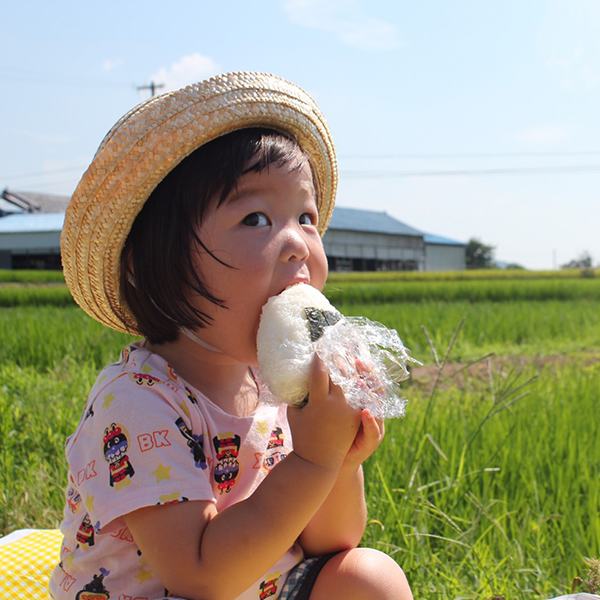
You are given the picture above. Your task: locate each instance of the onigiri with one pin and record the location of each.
(365, 358)
(290, 324)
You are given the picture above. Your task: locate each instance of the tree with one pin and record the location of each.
(584, 261)
(479, 255)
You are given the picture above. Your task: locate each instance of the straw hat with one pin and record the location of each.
(147, 143)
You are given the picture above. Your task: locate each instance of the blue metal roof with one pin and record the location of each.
(29, 223)
(7, 207)
(430, 238)
(354, 219)
(347, 219)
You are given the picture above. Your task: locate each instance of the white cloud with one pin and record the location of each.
(544, 134)
(189, 69)
(346, 20)
(111, 65)
(569, 42)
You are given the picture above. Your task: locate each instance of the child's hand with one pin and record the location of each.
(372, 430)
(367, 440)
(324, 430)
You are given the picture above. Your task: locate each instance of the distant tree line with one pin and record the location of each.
(481, 256)
(584, 261)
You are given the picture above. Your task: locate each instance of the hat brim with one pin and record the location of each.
(147, 143)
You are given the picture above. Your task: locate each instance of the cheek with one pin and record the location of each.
(319, 268)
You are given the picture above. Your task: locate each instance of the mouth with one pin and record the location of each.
(296, 281)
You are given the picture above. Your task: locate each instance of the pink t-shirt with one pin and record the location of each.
(146, 437)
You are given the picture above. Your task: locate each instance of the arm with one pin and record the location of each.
(187, 544)
(340, 522)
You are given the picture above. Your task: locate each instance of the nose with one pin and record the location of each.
(294, 244)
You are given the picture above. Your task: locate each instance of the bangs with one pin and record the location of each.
(158, 272)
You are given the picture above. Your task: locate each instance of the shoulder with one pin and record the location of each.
(138, 374)
(140, 393)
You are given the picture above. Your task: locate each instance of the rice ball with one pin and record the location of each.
(290, 325)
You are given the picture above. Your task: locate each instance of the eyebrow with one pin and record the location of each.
(236, 194)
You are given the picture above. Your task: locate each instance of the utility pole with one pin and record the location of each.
(152, 87)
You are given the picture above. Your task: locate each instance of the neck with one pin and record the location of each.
(226, 382)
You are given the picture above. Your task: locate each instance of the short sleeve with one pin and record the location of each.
(140, 443)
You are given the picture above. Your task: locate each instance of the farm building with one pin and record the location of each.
(30, 226)
(444, 254)
(356, 240)
(367, 240)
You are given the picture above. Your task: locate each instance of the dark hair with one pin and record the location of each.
(158, 275)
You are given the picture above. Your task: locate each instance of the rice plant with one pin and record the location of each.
(490, 486)
(488, 274)
(31, 276)
(342, 293)
(35, 295)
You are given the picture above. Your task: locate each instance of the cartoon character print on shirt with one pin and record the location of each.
(116, 444)
(275, 452)
(73, 497)
(174, 498)
(85, 533)
(171, 373)
(268, 587)
(190, 395)
(227, 466)
(275, 449)
(194, 442)
(95, 590)
(125, 354)
(144, 379)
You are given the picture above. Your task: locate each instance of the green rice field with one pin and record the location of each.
(489, 488)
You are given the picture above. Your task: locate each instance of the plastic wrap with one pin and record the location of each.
(368, 361)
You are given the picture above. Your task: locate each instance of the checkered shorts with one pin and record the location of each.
(300, 580)
(302, 577)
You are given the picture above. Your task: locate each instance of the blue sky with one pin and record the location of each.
(464, 118)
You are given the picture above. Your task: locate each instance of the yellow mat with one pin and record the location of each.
(26, 560)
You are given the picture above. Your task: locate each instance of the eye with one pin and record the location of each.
(256, 219)
(307, 219)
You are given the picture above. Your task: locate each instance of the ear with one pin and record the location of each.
(127, 266)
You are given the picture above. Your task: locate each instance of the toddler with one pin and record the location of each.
(198, 207)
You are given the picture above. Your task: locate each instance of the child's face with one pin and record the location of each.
(267, 231)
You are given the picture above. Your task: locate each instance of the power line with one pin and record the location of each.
(152, 87)
(352, 174)
(50, 187)
(472, 155)
(44, 173)
(58, 79)
(457, 172)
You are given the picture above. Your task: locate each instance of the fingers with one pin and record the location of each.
(318, 383)
(326, 427)
(373, 428)
(368, 439)
(320, 386)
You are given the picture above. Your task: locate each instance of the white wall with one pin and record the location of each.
(440, 257)
(356, 244)
(32, 242)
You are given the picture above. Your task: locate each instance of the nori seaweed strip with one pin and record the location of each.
(319, 319)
